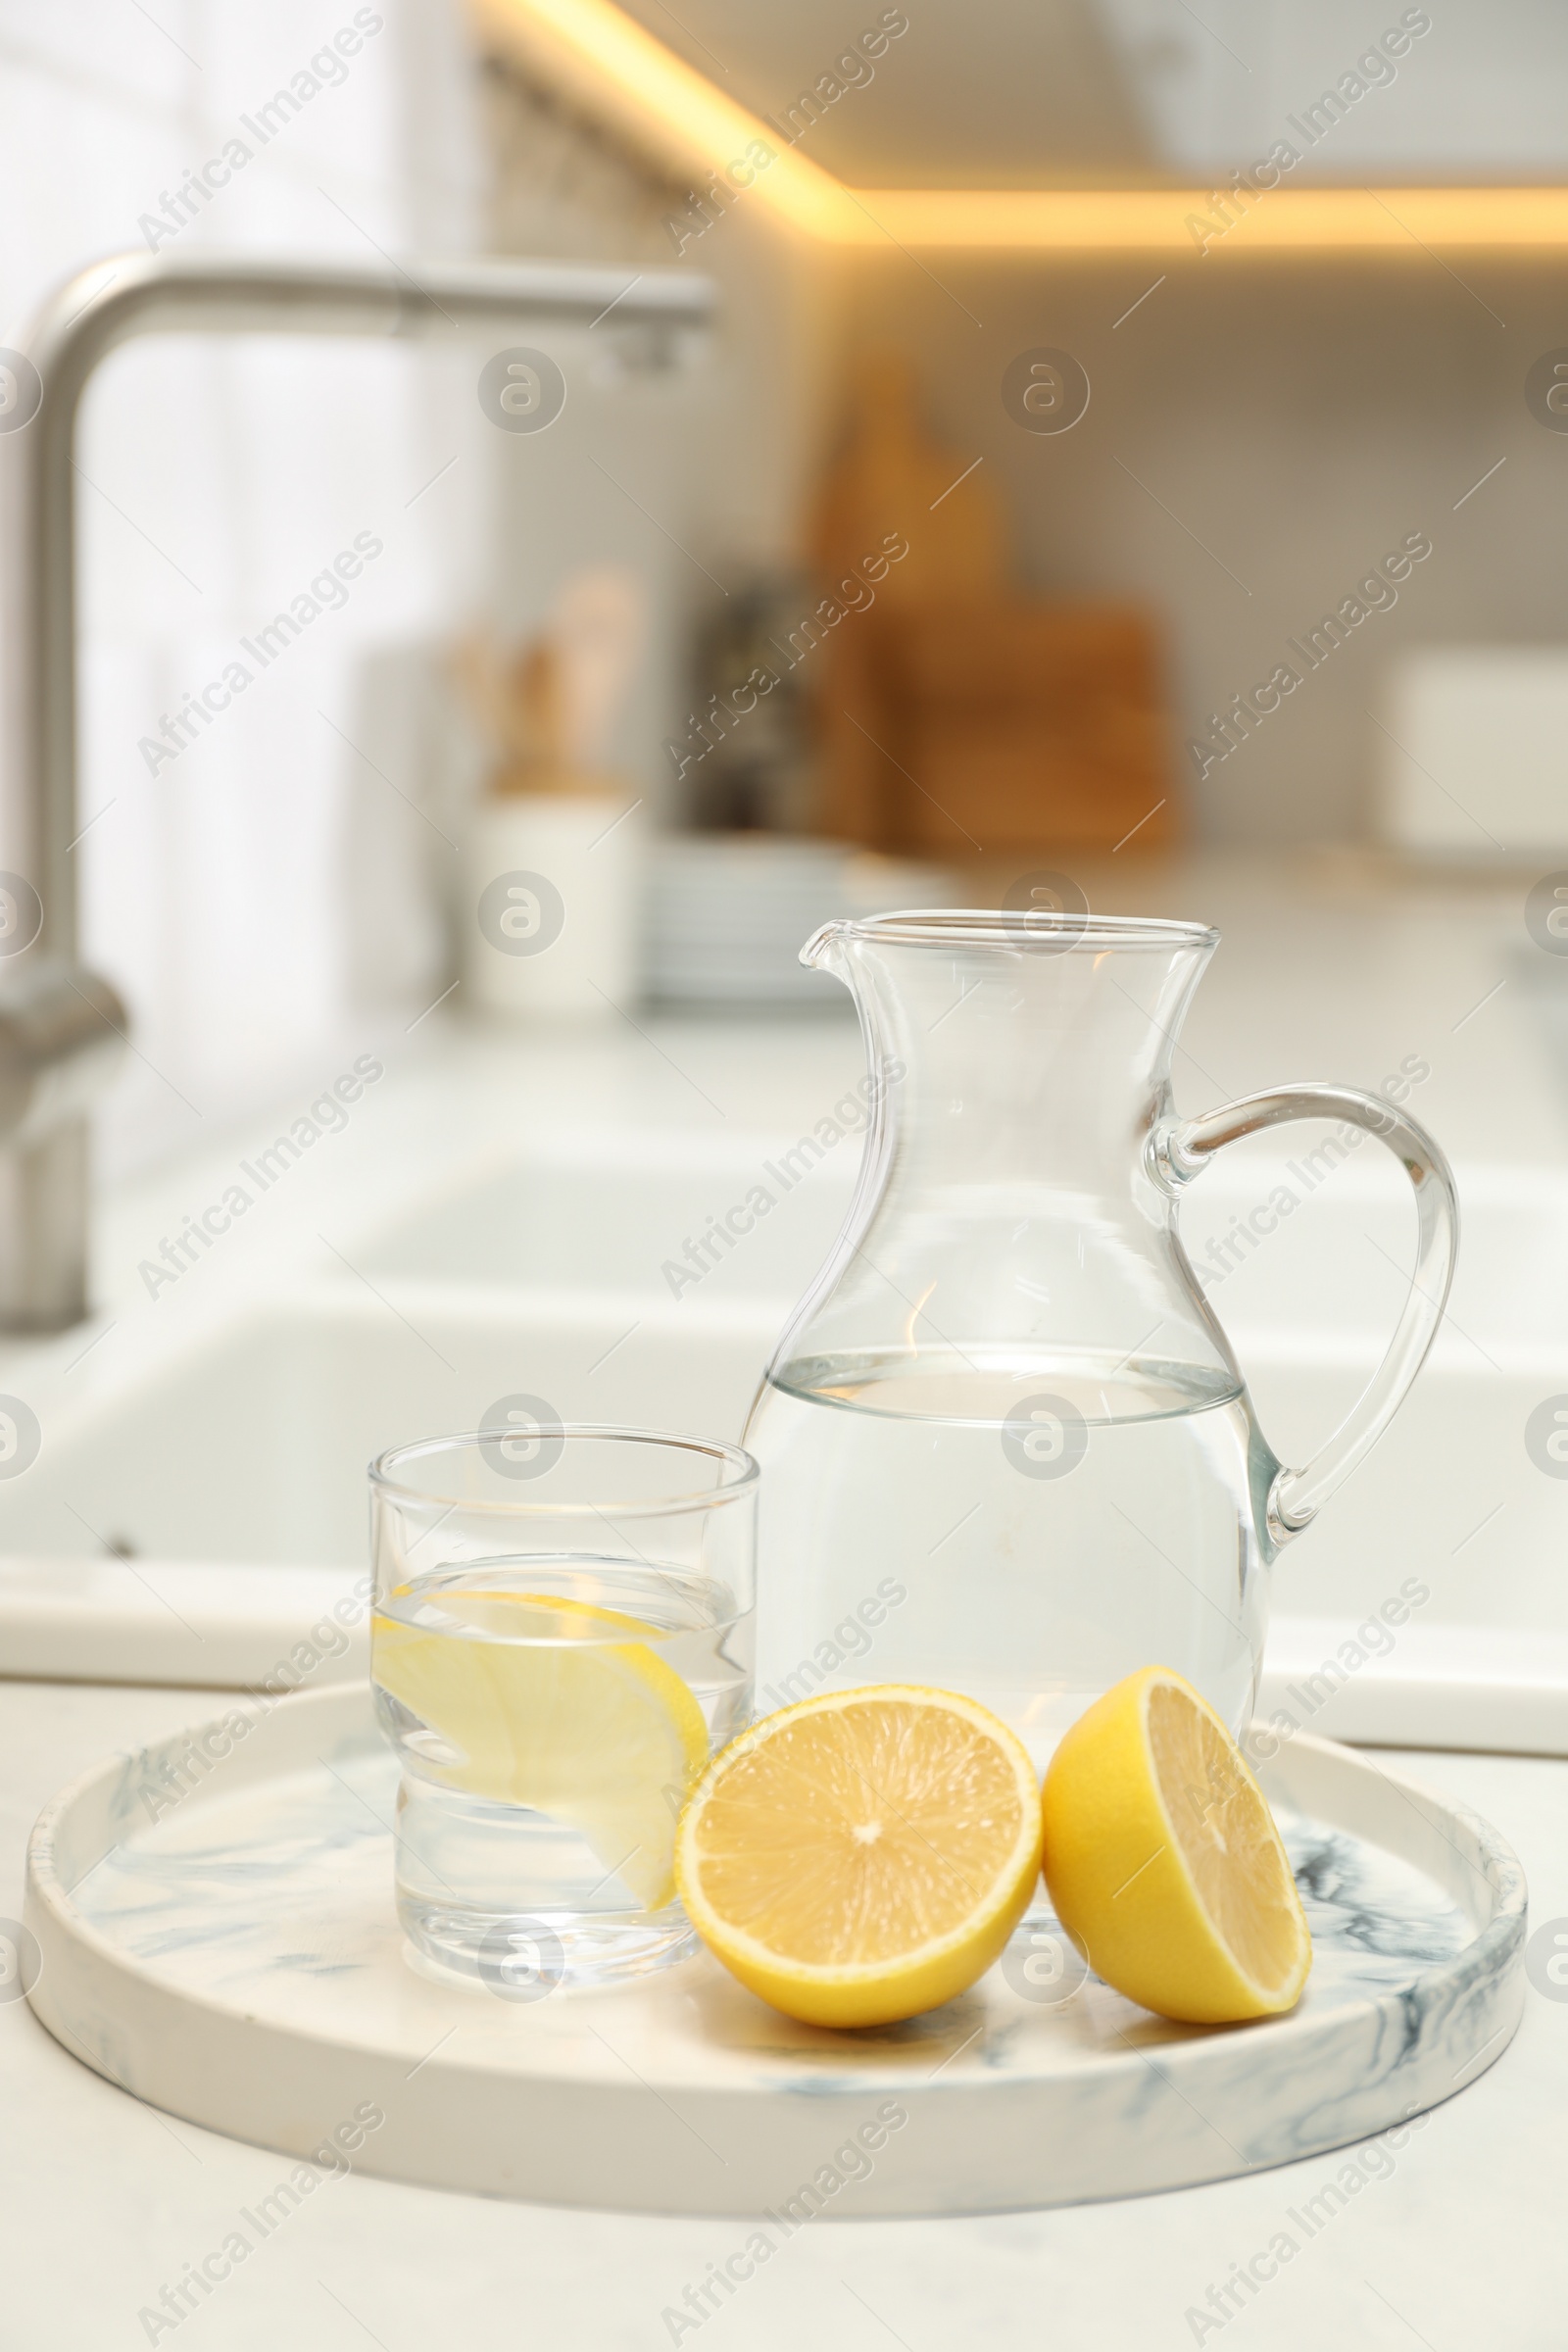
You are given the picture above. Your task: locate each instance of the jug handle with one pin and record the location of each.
(1180, 1149)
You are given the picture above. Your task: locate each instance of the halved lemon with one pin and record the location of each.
(864, 1855)
(1163, 1862)
(564, 1709)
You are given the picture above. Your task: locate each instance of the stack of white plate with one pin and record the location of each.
(728, 913)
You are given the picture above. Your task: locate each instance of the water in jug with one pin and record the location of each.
(1006, 1448)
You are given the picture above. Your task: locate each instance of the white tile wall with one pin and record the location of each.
(219, 479)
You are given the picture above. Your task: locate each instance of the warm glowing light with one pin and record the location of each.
(614, 68)
(1187, 221)
(609, 63)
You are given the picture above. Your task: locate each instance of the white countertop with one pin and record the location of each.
(1335, 965)
(107, 2201)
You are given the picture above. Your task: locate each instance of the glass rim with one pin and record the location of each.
(744, 1469)
(1011, 927)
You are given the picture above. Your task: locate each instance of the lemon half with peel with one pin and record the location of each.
(864, 1855)
(1163, 1862)
(564, 1709)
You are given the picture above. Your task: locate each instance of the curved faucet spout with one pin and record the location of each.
(43, 1201)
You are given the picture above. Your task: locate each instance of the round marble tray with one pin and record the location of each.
(233, 1957)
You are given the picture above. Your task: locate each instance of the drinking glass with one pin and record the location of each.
(562, 1635)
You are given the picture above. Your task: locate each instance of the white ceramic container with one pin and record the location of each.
(552, 909)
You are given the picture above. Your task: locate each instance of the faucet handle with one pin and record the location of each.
(62, 1033)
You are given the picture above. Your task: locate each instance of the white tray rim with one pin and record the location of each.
(1485, 1877)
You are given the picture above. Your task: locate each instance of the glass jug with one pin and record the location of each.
(1006, 1448)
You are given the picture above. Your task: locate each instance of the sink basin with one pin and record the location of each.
(195, 1525)
(1317, 1247)
(254, 1446)
(196, 1509)
(600, 1226)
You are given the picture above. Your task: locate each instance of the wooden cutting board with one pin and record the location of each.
(968, 726)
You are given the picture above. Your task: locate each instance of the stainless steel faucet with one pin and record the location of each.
(61, 1031)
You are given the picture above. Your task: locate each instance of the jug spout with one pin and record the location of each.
(823, 951)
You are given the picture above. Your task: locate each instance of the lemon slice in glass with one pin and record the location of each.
(864, 1855)
(1163, 1862)
(566, 1709)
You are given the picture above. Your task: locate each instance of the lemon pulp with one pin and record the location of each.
(1163, 1862)
(563, 1708)
(863, 1855)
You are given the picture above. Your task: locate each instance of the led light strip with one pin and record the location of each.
(611, 66)
(1269, 220)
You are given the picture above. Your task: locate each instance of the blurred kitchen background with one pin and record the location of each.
(1006, 529)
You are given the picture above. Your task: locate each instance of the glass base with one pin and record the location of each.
(525, 1956)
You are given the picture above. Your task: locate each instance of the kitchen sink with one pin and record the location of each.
(198, 1505)
(593, 1226)
(254, 1448)
(189, 1526)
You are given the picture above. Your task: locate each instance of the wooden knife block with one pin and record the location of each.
(966, 726)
